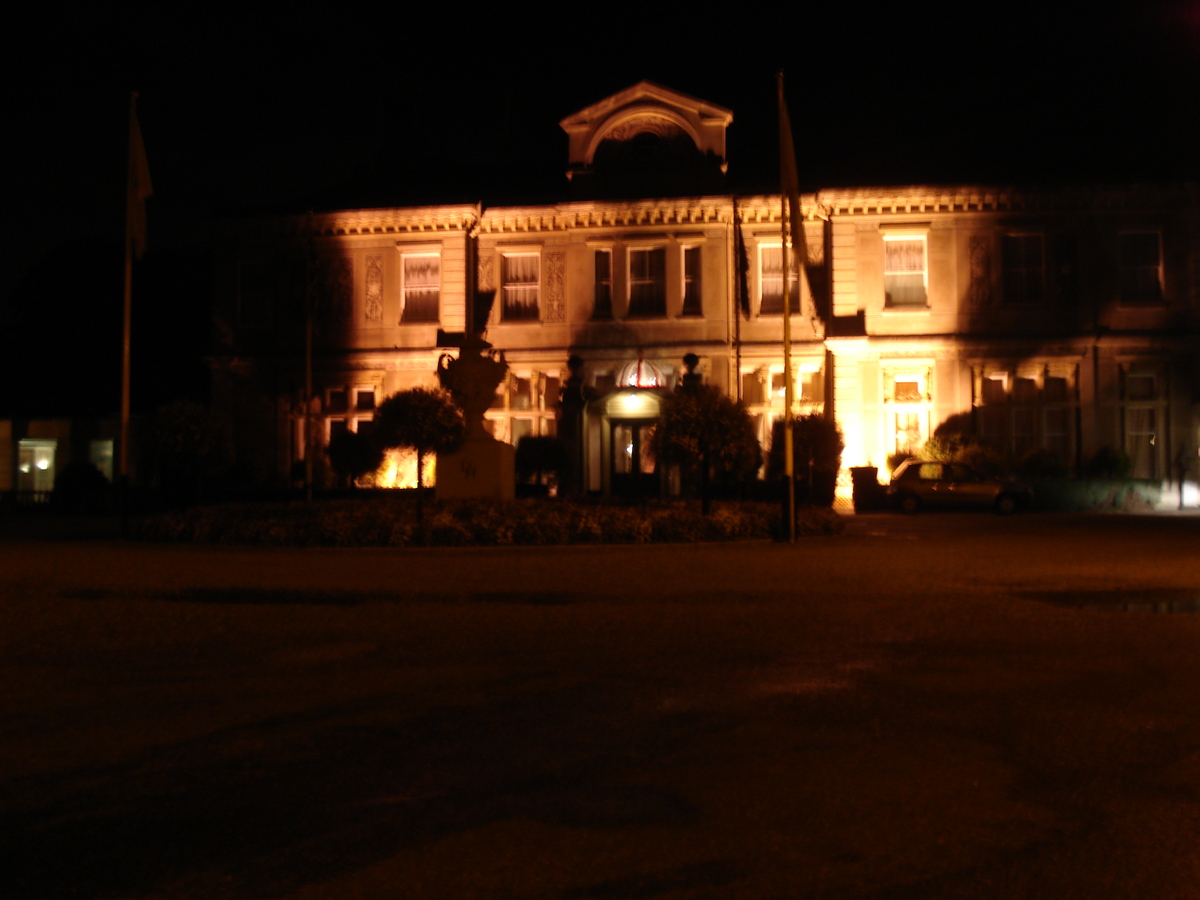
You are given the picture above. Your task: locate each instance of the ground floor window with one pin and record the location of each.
(35, 466)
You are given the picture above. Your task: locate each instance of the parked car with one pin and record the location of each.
(920, 484)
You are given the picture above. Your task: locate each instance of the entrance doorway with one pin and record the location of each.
(634, 466)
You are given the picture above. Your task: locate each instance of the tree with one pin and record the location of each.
(539, 456)
(189, 451)
(353, 455)
(708, 435)
(817, 446)
(424, 419)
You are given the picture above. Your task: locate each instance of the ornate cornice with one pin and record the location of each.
(926, 199)
(365, 222)
(661, 213)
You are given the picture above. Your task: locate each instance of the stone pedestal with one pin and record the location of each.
(483, 468)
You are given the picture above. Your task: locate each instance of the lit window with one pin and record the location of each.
(908, 390)
(1141, 268)
(692, 305)
(648, 282)
(521, 282)
(337, 400)
(602, 296)
(422, 288)
(770, 283)
(904, 273)
(1022, 264)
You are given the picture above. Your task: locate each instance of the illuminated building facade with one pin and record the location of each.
(1059, 320)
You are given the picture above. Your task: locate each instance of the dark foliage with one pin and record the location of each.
(353, 455)
(539, 457)
(708, 435)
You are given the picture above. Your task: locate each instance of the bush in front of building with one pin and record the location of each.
(392, 522)
(817, 446)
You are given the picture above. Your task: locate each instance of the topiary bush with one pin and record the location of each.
(390, 521)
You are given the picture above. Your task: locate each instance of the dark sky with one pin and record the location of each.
(375, 106)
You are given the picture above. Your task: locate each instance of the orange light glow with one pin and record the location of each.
(399, 470)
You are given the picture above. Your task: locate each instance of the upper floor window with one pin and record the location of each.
(602, 286)
(1140, 268)
(905, 276)
(1022, 265)
(770, 282)
(647, 281)
(692, 304)
(421, 287)
(522, 280)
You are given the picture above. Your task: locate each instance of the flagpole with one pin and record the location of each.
(786, 156)
(127, 317)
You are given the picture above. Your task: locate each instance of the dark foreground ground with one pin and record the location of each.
(934, 707)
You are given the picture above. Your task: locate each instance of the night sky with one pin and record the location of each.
(269, 112)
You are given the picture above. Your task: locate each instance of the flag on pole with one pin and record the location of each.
(790, 188)
(138, 188)
(741, 263)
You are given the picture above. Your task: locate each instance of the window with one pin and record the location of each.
(101, 455)
(525, 403)
(602, 289)
(336, 400)
(770, 282)
(648, 282)
(1141, 269)
(1021, 260)
(904, 275)
(692, 305)
(907, 407)
(35, 467)
(1145, 416)
(422, 287)
(521, 283)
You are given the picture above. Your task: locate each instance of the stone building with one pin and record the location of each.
(1059, 319)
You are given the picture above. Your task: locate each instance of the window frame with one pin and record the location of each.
(408, 254)
(897, 236)
(793, 283)
(634, 281)
(1022, 284)
(692, 283)
(511, 312)
(602, 310)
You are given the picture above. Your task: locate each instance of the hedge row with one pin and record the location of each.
(388, 522)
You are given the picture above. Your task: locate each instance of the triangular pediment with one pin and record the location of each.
(646, 107)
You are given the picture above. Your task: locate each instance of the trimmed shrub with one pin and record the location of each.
(391, 521)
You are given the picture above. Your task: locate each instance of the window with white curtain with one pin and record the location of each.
(521, 275)
(770, 282)
(905, 279)
(422, 287)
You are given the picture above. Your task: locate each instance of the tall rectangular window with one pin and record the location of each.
(1141, 268)
(770, 283)
(602, 285)
(905, 281)
(1021, 260)
(521, 283)
(648, 282)
(422, 288)
(692, 305)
